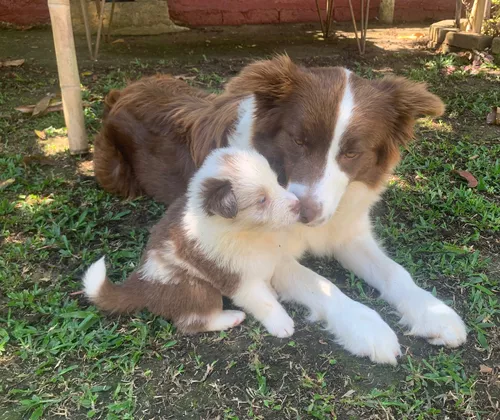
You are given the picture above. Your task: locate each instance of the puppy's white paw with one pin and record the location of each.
(225, 320)
(428, 317)
(362, 332)
(279, 323)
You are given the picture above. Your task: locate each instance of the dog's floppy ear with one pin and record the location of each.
(267, 79)
(411, 101)
(412, 98)
(218, 198)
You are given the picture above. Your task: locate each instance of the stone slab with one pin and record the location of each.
(468, 41)
(495, 45)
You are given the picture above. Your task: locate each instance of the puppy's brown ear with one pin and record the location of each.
(267, 79)
(411, 101)
(218, 198)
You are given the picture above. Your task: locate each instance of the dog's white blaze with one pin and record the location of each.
(241, 138)
(332, 185)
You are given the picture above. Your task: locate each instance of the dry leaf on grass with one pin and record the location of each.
(485, 369)
(117, 41)
(6, 183)
(12, 63)
(184, 77)
(42, 135)
(40, 159)
(42, 105)
(471, 180)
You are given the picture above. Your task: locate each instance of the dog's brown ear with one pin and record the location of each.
(411, 101)
(268, 79)
(218, 198)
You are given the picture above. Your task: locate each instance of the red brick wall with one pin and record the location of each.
(237, 12)
(418, 10)
(24, 12)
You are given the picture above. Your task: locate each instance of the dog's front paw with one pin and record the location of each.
(362, 332)
(279, 323)
(428, 317)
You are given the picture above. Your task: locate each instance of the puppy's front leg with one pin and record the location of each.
(359, 329)
(257, 298)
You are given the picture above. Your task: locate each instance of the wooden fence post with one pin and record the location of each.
(69, 78)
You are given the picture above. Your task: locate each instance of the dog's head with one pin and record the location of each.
(239, 186)
(323, 128)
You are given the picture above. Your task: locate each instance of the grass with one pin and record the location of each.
(60, 357)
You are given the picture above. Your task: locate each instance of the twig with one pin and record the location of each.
(108, 34)
(99, 29)
(355, 27)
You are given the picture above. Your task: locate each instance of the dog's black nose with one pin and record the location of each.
(310, 210)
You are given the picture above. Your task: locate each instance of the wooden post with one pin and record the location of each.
(69, 79)
(476, 16)
(458, 13)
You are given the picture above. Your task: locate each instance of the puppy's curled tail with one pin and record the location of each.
(117, 298)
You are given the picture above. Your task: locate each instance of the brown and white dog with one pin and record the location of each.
(224, 237)
(334, 140)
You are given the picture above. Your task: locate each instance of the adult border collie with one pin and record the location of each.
(331, 136)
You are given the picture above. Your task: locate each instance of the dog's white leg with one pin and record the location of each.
(257, 298)
(359, 329)
(424, 314)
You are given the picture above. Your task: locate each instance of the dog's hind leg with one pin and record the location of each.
(192, 304)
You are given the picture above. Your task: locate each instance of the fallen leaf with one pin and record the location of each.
(184, 77)
(6, 183)
(348, 393)
(42, 135)
(117, 41)
(26, 109)
(414, 36)
(12, 63)
(494, 116)
(485, 369)
(42, 105)
(40, 159)
(87, 73)
(448, 70)
(472, 182)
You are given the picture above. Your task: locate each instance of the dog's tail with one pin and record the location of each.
(112, 148)
(118, 298)
(110, 100)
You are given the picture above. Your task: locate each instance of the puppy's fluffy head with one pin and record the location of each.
(239, 187)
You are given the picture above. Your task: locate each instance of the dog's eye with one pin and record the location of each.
(301, 141)
(351, 155)
(262, 199)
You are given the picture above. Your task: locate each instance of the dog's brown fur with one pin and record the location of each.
(155, 133)
(158, 130)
